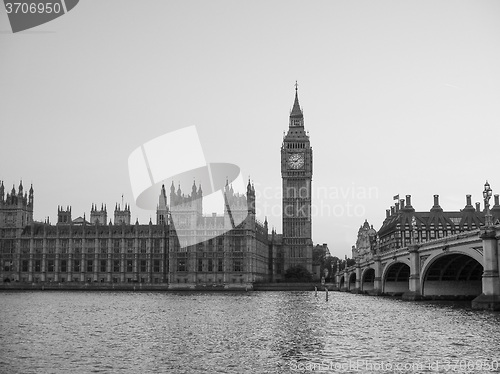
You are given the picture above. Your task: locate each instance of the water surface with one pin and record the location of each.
(254, 332)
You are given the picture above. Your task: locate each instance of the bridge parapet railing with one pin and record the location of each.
(448, 239)
(423, 246)
(394, 252)
(348, 269)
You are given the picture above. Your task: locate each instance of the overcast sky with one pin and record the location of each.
(399, 97)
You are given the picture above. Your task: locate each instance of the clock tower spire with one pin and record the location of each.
(296, 115)
(296, 173)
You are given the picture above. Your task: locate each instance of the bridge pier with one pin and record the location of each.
(415, 292)
(357, 287)
(377, 282)
(490, 298)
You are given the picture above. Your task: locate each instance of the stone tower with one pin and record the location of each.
(186, 211)
(162, 208)
(122, 215)
(16, 209)
(64, 215)
(239, 208)
(296, 172)
(98, 216)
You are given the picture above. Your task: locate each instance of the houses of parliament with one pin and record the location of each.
(116, 251)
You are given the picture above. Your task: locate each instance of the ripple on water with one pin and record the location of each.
(231, 332)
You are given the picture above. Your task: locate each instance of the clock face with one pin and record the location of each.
(296, 160)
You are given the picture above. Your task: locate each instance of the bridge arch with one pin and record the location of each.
(396, 278)
(352, 281)
(368, 279)
(342, 282)
(453, 273)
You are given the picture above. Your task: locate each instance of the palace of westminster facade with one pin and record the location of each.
(225, 255)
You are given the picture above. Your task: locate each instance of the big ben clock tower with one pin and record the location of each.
(296, 172)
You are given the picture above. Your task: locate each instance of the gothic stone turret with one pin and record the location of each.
(99, 216)
(64, 215)
(186, 210)
(122, 216)
(162, 208)
(16, 209)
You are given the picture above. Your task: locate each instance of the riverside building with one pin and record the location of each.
(118, 251)
(183, 249)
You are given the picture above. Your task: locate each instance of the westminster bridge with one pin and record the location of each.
(464, 265)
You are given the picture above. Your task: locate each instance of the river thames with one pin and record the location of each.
(254, 332)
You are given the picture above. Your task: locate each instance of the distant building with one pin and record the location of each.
(366, 240)
(212, 250)
(402, 223)
(320, 254)
(185, 248)
(16, 209)
(296, 172)
(276, 256)
(76, 250)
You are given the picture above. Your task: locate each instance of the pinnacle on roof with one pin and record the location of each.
(366, 225)
(296, 111)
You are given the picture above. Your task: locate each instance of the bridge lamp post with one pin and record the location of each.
(413, 230)
(487, 195)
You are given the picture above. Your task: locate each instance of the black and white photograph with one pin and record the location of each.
(249, 187)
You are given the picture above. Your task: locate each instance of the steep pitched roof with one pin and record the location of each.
(296, 111)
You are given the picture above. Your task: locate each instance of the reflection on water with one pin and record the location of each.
(253, 332)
